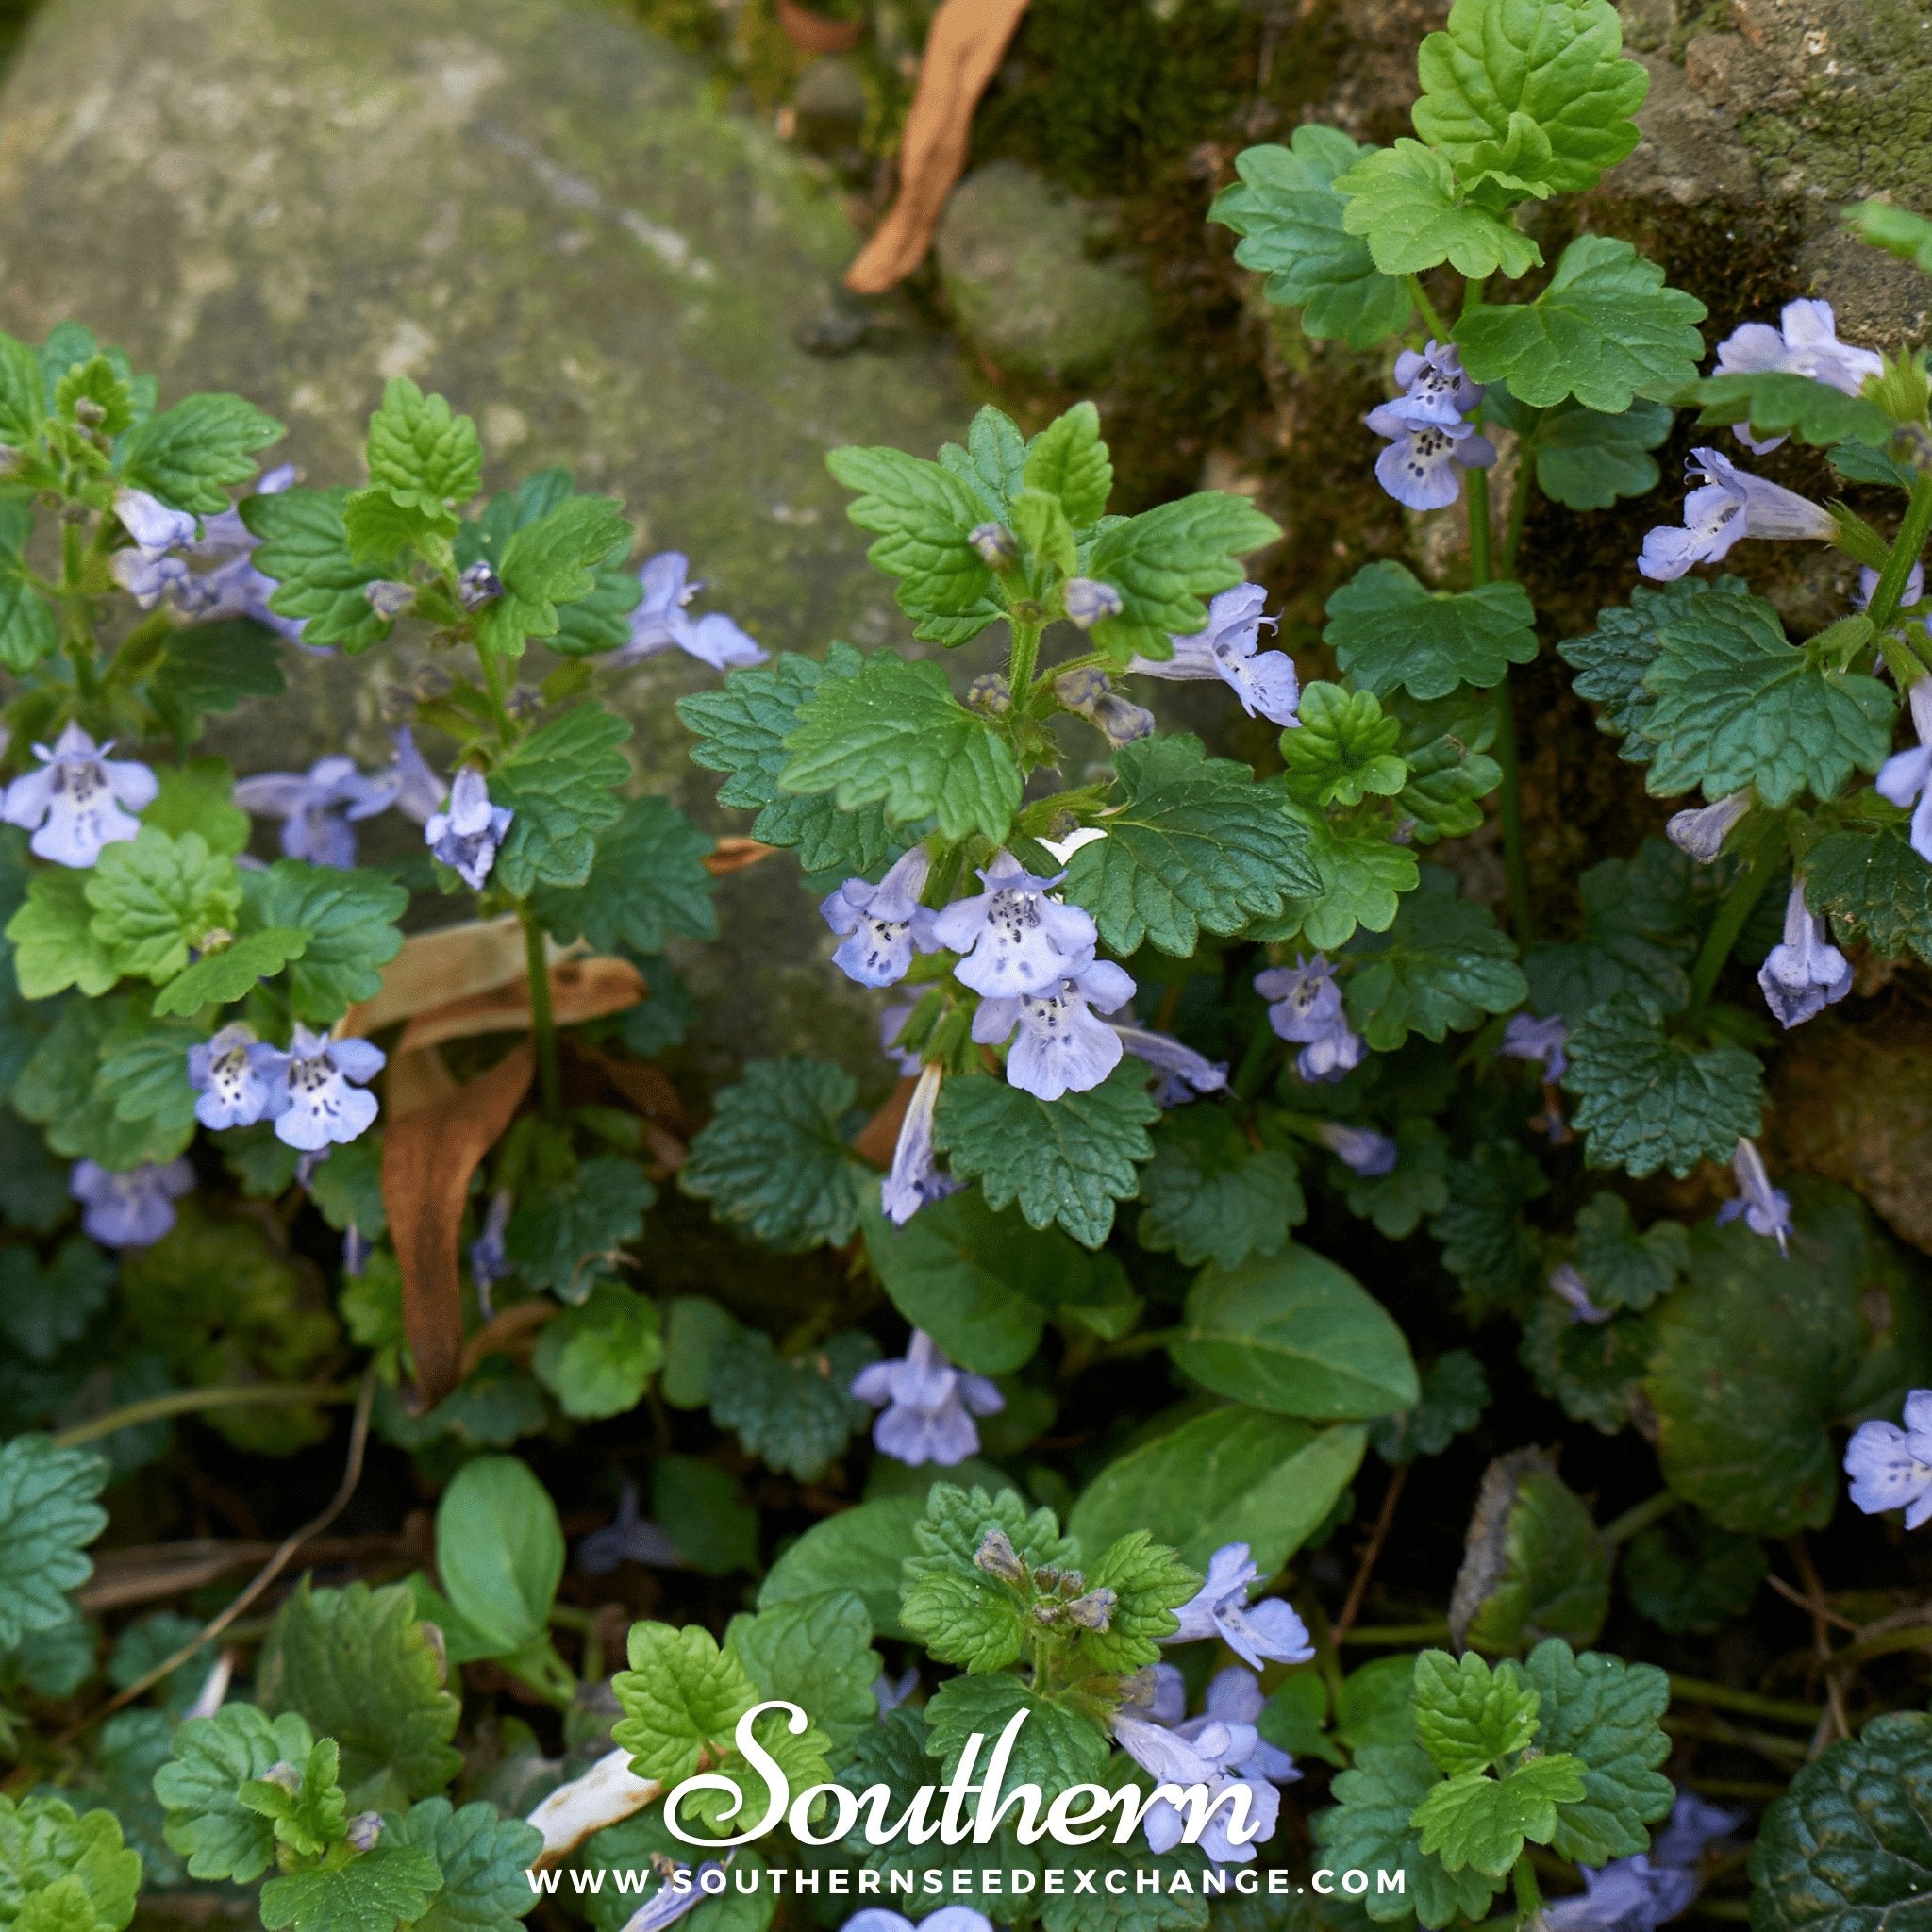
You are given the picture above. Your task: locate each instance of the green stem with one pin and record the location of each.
(1906, 547)
(1521, 913)
(1731, 920)
(543, 1016)
(1519, 502)
(155, 1408)
(1745, 1702)
(1529, 1898)
(1620, 1529)
(1426, 308)
(1021, 662)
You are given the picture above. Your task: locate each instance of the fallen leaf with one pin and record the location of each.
(813, 33)
(734, 854)
(581, 989)
(434, 968)
(880, 1134)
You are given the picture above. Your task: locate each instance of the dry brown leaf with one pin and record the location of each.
(450, 963)
(880, 1134)
(427, 1159)
(734, 854)
(967, 41)
(580, 990)
(812, 33)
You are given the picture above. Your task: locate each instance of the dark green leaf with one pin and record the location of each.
(647, 884)
(797, 1415)
(350, 918)
(305, 548)
(1442, 964)
(1385, 629)
(1212, 1196)
(562, 784)
(192, 455)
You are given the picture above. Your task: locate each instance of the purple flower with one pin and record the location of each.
(311, 1098)
(489, 1262)
(1183, 1072)
(1220, 1755)
(1361, 1150)
(915, 1178)
(1727, 504)
(152, 526)
(1766, 1209)
(1431, 440)
(662, 621)
(1305, 1007)
(1806, 972)
(1086, 601)
(1891, 1468)
(1529, 1039)
(466, 835)
(1266, 1632)
(630, 1539)
(478, 585)
(1011, 938)
(419, 792)
(928, 1404)
(1807, 344)
(1639, 1894)
(389, 596)
(132, 1209)
(880, 924)
(1062, 1048)
(1264, 681)
(1569, 1287)
(1701, 831)
(224, 1072)
(888, 1694)
(316, 807)
(73, 804)
(671, 1902)
(947, 1919)
(1234, 1703)
(1905, 777)
(892, 1024)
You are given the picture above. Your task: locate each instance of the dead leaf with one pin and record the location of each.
(427, 1159)
(450, 963)
(734, 854)
(813, 33)
(967, 41)
(881, 1134)
(583, 988)
(510, 1333)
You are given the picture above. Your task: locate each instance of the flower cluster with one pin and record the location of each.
(1305, 1008)
(1432, 439)
(312, 1091)
(157, 565)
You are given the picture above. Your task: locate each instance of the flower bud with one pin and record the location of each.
(1122, 720)
(388, 598)
(1080, 690)
(89, 413)
(997, 1558)
(1702, 829)
(1087, 601)
(989, 693)
(478, 585)
(363, 1830)
(283, 1776)
(9, 459)
(995, 545)
(1094, 1611)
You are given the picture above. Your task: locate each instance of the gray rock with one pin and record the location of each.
(538, 208)
(1012, 255)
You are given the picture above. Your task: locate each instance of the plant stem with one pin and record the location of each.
(543, 1016)
(1435, 1631)
(1522, 914)
(1020, 661)
(1731, 920)
(1425, 307)
(1906, 547)
(1519, 502)
(1745, 1702)
(155, 1408)
(1620, 1529)
(1529, 1899)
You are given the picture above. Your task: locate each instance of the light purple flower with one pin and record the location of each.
(1806, 344)
(316, 1089)
(892, 1024)
(489, 1260)
(73, 804)
(1526, 1038)
(1183, 1072)
(1432, 442)
(1891, 1468)
(1905, 777)
(1701, 831)
(1727, 504)
(1211, 1752)
(631, 1539)
(1011, 938)
(224, 1072)
(1361, 1150)
(316, 807)
(1265, 1632)
(1305, 1007)
(1639, 1894)
(148, 576)
(915, 1177)
(478, 585)
(419, 792)
(1225, 648)
(389, 598)
(1086, 601)
(1062, 1048)
(662, 621)
(1914, 591)
(880, 924)
(947, 1919)
(1692, 1826)
(1766, 1209)
(132, 1209)
(152, 526)
(888, 1694)
(928, 1404)
(467, 834)
(1806, 972)
(1569, 1287)
(1235, 1702)
(670, 1903)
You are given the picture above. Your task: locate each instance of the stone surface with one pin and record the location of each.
(537, 207)
(1012, 254)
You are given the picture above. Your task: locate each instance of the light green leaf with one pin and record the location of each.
(390, 1884)
(1775, 402)
(1056, 1747)
(214, 1757)
(1404, 199)
(499, 1550)
(1149, 1583)
(860, 1549)
(48, 1516)
(199, 795)
(23, 395)
(1477, 1819)
(1442, 965)
(1467, 1717)
(305, 548)
(1385, 629)
(60, 1871)
(961, 1614)
(597, 1358)
(144, 1071)
(817, 1652)
(1068, 460)
(350, 918)
(923, 516)
(231, 971)
(192, 455)
(562, 784)
(155, 895)
(28, 629)
(424, 458)
(54, 943)
(993, 462)
(1343, 750)
(681, 1697)
(548, 563)
(1364, 877)
(1897, 230)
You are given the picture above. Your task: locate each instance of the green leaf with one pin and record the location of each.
(1586, 460)
(1167, 561)
(1417, 1186)
(58, 1090)
(641, 1845)
(817, 1652)
(350, 918)
(46, 1304)
(560, 1233)
(230, 973)
(1343, 750)
(60, 1871)
(1067, 1160)
(550, 562)
(1687, 1575)
(1149, 1583)
(647, 885)
(860, 1549)
(1195, 844)
(1633, 940)
(214, 1757)
(1385, 629)
(1444, 742)
(484, 1858)
(1442, 964)
(562, 784)
(1755, 1356)
(155, 895)
(1294, 1335)
(1736, 705)
(597, 1358)
(356, 1664)
(1454, 1393)
(377, 527)
(28, 629)
(54, 940)
(1212, 1196)
(1363, 879)
(1068, 460)
(895, 735)
(192, 455)
(1477, 1819)
(1404, 200)
(1231, 1476)
(697, 1506)
(923, 516)
(1624, 1269)
(305, 548)
(23, 395)
(1288, 215)
(961, 1614)
(993, 462)
(1897, 230)
(1559, 62)
(1606, 1714)
(1056, 1747)
(1606, 330)
(48, 1516)
(390, 1884)
(795, 1414)
(424, 458)
(771, 1160)
(499, 1550)
(1775, 402)
(742, 730)
(199, 796)
(1875, 886)
(1646, 1100)
(144, 1070)
(1467, 1716)
(681, 1697)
